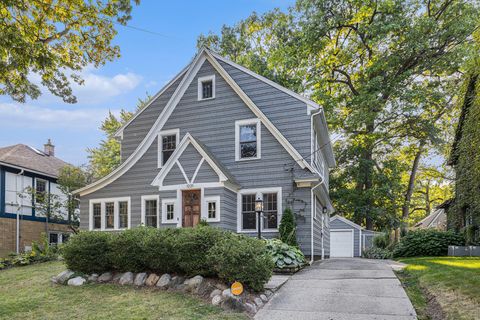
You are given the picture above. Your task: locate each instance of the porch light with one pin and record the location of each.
(259, 210)
(324, 210)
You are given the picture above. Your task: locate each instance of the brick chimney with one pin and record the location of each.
(49, 148)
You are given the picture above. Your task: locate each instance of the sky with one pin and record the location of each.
(148, 61)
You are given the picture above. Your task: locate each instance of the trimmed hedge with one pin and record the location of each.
(202, 250)
(427, 243)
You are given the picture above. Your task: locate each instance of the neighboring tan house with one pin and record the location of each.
(211, 142)
(436, 220)
(23, 167)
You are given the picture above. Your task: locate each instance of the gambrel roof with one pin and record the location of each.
(187, 75)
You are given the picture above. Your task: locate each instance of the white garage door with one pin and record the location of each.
(341, 244)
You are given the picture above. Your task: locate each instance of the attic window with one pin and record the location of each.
(206, 87)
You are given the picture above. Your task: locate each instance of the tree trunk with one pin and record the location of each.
(410, 187)
(428, 209)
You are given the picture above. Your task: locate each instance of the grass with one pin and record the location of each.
(26, 293)
(443, 286)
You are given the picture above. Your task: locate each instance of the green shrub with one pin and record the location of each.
(161, 253)
(381, 241)
(472, 235)
(377, 253)
(191, 247)
(88, 252)
(287, 228)
(426, 243)
(284, 255)
(243, 259)
(128, 249)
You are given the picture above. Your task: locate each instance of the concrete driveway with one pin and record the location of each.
(341, 289)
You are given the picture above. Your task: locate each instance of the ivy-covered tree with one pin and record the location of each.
(55, 40)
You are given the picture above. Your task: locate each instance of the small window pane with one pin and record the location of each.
(169, 143)
(109, 215)
(40, 189)
(248, 212)
(212, 210)
(248, 141)
(123, 214)
(207, 89)
(270, 211)
(53, 238)
(97, 216)
(170, 211)
(151, 213)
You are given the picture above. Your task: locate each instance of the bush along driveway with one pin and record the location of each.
(354, 289)
(443, 287)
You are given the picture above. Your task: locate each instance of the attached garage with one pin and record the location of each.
(348, 239)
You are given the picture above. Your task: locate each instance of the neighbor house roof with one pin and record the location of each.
(435, 219)
(29, 158)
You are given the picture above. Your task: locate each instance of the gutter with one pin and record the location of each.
(312, 252)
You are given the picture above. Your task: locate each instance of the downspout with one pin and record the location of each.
(19, 207)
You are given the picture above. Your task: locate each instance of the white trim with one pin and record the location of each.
(343, 230)
(175, 211)
(182, 171)
(360, 243)
(205, 201)
(160, 135)
(197, 169)
(5, 164)
(102, 202)
(259, 192)
(200, 81)
(150, 197)
(119, 132)
(244, 122)
(350, 223)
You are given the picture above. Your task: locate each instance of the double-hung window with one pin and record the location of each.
(168, 211)
(97, 216)
(123, 214)
(272, 208)
(270, 211)
(150, 210)
(247, 139)
(167, 143)
(206, 87)
(109, 213)
(40, 189)
(211, 209)
(249, 219)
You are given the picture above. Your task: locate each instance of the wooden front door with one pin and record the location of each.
(191, 208)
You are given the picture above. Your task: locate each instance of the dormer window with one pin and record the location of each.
(206, 87)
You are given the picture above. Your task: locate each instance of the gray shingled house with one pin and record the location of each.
(212, 141)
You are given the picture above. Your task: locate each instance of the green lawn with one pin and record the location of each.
(454, 282)
(26, 293)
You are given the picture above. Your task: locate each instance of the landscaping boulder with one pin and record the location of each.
(215, 292)
(126, 279)
(140, 279)
(216, 300)
(264, 298)
(232, 303)
(258, 302)
(250, 308)
(204, 288)
(63, 277)
(176, 281)
(164, 281)
(152, 280)
(227, 293)
(193, 283)
(117, 277)
(93, 277)
(221, 286)
(76, 282)
(105, 277)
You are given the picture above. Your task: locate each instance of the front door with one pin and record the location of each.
(191, 208)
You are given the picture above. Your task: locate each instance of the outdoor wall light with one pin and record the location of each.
(324, 210)
(259, 210)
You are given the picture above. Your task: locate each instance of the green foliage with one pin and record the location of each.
(88, 252)
(472, 235)
(427, 242)
(241, 258)
(377, 253)
(41, 252)
(381, 241)
(284, 255)
(288, 228)
(61, 38)
(202, 250)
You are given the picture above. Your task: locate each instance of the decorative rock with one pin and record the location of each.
(233, 303)
(216, 292)
(93, 277)
(152, 280)
(176, 281)
(105, 277)
(221, 286)
(193, 283)
(227, 293)
(204, 289)
(250, 308)
(76, 282)
(126, 279)
(164, 281)
(264, 298)
(258, 302)
(63, 277)
(216, 300)
(140, 279)
(117, 277)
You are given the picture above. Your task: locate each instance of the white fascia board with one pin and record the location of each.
(265, 121)
(119, 132)
(310, 104)
(322, 129)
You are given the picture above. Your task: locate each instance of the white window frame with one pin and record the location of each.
(143, 208)
(116, 218)
(259, 192)
(47, 187)
(244, 122)
(171, 132)
(166, 202)
(206, 201)
(201, 80)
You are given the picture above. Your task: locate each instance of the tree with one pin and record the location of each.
(54, 41)
(105, 158)
(71, 178)
(288, 228)
(386, 73)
